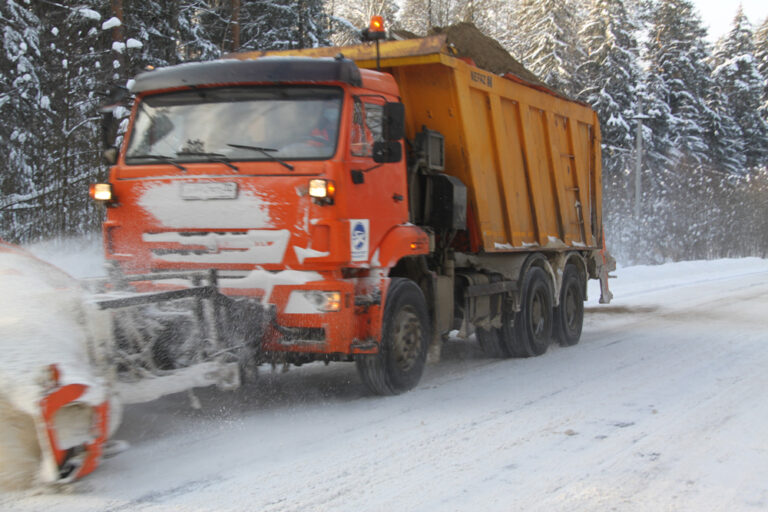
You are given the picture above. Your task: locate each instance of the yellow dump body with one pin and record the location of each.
(529, 158)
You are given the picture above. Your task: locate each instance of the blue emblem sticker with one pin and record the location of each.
(359, 239)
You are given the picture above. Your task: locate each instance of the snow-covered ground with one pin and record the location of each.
(662, 406)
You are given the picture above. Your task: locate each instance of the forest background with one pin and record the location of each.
(704, 107)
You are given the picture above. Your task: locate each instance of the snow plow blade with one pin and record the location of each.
(174, 340)
(65, 460)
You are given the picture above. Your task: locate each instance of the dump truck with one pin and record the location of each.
(349, 204)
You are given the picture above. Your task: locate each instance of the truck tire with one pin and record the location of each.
(533, 323)
(405, 336)
(511, 343)
(569, 315)
(490, 342)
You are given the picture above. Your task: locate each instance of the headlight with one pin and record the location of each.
(322, 190)
(101, 192)
(313, 302)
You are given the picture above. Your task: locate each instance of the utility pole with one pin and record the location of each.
(639, 157)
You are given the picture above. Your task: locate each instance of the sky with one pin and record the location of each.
(718, 14)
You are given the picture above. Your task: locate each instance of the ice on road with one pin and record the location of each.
(661, 406)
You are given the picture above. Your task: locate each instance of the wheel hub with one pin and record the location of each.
(407, 338)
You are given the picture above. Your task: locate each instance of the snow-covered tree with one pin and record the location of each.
(610, 71)
(20, 94)
(740, 87)
(761, 56)
(75, 68)
(548, 42)
(723, 135)
(282, 24)
(610, 75)
(420, 16)
(677, 53)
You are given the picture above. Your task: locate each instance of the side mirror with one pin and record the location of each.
(394, 121)
(115, 97)
(109, 126)
(109, 155)
(387, 152)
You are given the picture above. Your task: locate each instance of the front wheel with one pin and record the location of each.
(405, 336)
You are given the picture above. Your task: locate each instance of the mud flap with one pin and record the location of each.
(62, 465)
(608, 264)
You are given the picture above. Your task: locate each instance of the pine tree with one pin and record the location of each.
(676, 83)
(75, 67)
(610, 76)
(20, 94)
(282, 24)
(677, 53)
(610, 71)
(761, 56)
(549, 45)
(723, 135)
(741, 87)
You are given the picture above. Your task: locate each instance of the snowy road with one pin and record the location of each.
(662, 406)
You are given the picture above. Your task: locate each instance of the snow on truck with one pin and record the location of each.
(344, 204)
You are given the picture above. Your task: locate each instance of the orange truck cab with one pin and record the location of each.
(362, 213)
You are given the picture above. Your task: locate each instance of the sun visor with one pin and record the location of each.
(264, 70)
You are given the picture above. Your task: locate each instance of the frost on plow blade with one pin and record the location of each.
(180, 338)
(57, 405)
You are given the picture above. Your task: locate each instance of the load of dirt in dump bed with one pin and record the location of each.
(485, 51)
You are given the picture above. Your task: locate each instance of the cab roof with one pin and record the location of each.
(262, 70)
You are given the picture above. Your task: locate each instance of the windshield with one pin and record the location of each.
(237, 123)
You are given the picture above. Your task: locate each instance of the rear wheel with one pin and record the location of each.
(512, 343)
(405, 335)
(533, 323)
(490, 342)
(569, 315)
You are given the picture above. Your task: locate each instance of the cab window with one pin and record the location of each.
(367, 118)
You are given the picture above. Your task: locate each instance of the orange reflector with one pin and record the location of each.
(377, 24)
(413, 245)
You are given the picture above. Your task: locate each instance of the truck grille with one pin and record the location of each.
(257, 246)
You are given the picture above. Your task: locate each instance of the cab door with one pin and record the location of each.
(377, 192)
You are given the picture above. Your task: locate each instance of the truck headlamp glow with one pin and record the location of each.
(313, 302)
(101, 192)
(322, 189)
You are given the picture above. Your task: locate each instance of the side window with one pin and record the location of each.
(366, 127)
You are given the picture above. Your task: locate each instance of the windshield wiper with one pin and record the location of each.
(214, 157)
(264, 151)
(161, 158)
